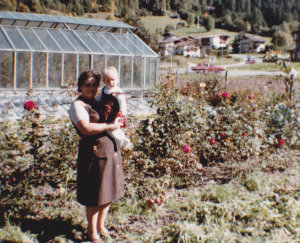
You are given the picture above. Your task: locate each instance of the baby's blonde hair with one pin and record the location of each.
(110, 70)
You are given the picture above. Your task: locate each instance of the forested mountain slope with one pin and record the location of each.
(255, 12)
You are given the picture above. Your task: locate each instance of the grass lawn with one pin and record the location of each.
(155, 22)
(259, 202)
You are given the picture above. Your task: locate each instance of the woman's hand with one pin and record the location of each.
(116, 124)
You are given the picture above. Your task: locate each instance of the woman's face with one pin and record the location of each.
(89, 88)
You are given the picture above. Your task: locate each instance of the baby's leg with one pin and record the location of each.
(121, 138)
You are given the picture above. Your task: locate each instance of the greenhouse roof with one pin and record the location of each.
(56, 21)
(60, 34)
(14, 38)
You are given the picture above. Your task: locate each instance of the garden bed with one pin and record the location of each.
(211, 164)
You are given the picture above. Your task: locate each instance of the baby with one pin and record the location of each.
(113, 101)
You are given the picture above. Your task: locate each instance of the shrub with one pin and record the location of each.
(110, 17)
(36, 153)
(217, 126)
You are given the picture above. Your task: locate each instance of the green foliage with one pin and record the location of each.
(251, 208)
(110, 17)
(209, 23)
(257, 14)
(196, 121)
(190, 19)
(281, 39)
(217, 125)
(14, 234)
(36, 154)
(168, 28)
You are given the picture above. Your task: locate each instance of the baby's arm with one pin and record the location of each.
(122, 102)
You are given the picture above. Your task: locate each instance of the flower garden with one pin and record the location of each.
(213, 164)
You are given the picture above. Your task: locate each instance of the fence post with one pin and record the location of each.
(226, 79)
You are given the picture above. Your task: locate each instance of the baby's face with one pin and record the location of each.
(111, 80)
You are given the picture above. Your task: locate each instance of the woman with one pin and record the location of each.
(100, 174)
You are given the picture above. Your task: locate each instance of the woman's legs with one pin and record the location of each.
(102, 212)
(92, 214)
(96, 218)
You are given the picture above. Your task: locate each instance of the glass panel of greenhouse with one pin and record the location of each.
(45, 52)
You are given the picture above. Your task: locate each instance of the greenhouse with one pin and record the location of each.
(41, 57)
(49, 52)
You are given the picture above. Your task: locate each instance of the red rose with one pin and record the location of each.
(244, 134)
(212, 141)
(186, 149)
(150, 201)
(225, 95)
(250, 97)
(157, 201)
(29, 105)
(259, 135)
(281, 142)
(222, 134)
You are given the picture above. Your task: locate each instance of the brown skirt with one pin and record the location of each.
(100, 176)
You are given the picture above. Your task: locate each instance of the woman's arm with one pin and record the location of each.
(87, 128)
(80, 117)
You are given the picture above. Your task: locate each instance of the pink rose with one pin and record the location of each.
(29, 105)
(186, 149)
(250, 97)
(212, 141)
(225, 95)
(244, 134)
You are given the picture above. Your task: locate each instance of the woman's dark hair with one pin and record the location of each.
(86, 75)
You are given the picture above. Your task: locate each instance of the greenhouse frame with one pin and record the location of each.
(48, 52)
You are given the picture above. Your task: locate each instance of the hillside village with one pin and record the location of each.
(197, 46)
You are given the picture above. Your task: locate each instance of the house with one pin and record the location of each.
(187, 48)
(179, 46)
(295, 52)
(166, 45)
(250, 43)
(213, 42)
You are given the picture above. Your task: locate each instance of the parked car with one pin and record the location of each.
(205, 67)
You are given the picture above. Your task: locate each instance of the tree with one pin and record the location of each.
(285, 27)
(209, 23)
(282, 39)
(190, 19)
(236, 45)
(168, 28)
(228, 21)
(240, 25)
(7, 5)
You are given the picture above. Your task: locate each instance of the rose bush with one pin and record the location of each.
(218, 124)
(35, 153)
